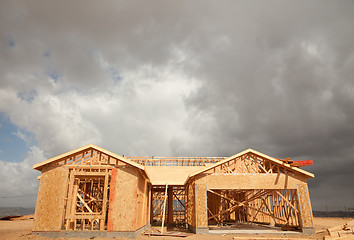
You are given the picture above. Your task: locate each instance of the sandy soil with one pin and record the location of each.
(21, 229)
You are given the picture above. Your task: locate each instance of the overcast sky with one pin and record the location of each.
(178, 78)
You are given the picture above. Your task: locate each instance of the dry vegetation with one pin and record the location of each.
(21, 229)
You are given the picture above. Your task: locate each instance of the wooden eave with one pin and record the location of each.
(171, 175)
(281, 163)
(39, 166)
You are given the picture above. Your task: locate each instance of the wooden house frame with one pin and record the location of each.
(96, 192)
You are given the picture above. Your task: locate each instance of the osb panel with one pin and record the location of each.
(190, 204)
(251, 181)
(305, 206)
(201, 204)
(142, 201)
(123, 210)
(50, 201)
(172, 175)
(112, 195)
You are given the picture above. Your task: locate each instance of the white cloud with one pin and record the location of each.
(178, 78)
(141, 115)
(54, 121)
(18, 181)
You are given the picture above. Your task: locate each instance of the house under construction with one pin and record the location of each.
(94, 191)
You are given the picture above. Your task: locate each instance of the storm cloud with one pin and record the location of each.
(182, 78)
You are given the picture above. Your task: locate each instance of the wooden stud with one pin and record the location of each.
(164, 210)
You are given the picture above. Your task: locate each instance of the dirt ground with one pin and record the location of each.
(21, 229)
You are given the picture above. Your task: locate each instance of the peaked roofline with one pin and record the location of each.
(277, 161)
(38, 166)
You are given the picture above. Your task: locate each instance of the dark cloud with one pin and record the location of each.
(186, 78)
(283, 86)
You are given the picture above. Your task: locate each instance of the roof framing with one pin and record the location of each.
(39, 166)
(276, 161)
(56, 159)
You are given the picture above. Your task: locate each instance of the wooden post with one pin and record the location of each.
(164, 209)
(69, 200)
(170, 205)
(104, 203)
(305, 207)
(201, 206)
(150, 213)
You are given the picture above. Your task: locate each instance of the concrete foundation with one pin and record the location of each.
(91, 234)
(254, 232)
(308, 231)
(202, 230)
(198, 230)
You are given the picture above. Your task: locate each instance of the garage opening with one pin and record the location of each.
(276, 209)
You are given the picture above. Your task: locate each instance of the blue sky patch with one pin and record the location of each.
(115, 75)
(12, 147)
(27, 96)
(46, 54)
(11, 42)
(54, 75)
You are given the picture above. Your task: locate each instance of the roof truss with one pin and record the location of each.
(87, 155)
(251, 161)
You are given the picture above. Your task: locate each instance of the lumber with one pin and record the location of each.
(164, 209)
(245, 153)
(39, 166)
(170, 205)
(84, 203)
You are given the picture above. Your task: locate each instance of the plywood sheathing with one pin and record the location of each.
(305, 206)
(123, 211)
(201, 205)
(142, 200)
(190, 204)
(50, 201)
(250, 181)
(172, 175)
(112, 199)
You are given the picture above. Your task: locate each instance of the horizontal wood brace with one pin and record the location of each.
(86, 216)
(90, 166)
(92, 174)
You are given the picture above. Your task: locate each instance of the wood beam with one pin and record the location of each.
(164, 209)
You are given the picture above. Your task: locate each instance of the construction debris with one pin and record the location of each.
(171, 234)
(9, 218)
(17, 217)
(345, 231)
(267, 238)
